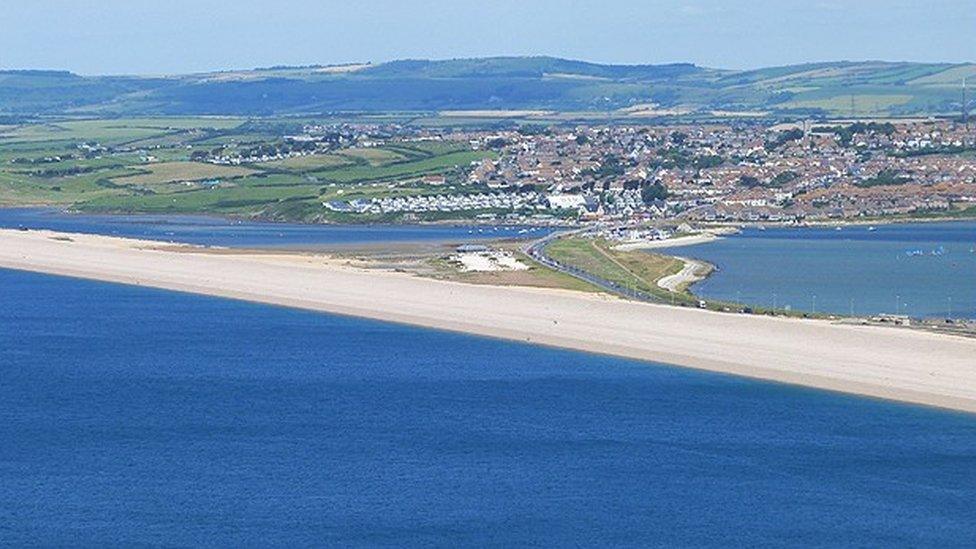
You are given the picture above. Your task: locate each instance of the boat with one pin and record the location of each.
(872, 228)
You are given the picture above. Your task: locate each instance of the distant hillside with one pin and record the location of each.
(504, 83)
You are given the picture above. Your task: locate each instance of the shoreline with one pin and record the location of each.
(692, 272)
(243, 218)
(908, 366)
(474, 222)
(677, 242)
(824, 224)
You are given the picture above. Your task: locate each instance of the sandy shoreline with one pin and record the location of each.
(677, 242)
(910, 366)
(692, 271)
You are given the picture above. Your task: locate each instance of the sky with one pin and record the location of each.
(182, 36)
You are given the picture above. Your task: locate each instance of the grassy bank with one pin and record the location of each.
(630, 269)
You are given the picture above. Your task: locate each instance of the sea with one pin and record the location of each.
(920, 269)
(132, 416)
(138, 417)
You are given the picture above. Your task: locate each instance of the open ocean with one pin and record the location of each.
(132, 416)
(919, 269)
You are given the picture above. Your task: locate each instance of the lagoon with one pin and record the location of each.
(920, 269)
(218, 231)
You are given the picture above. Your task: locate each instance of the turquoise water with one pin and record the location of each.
(217, 231)
(131, 416)
(924, 269)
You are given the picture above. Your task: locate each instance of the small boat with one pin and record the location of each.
(872, 229)
(838, 228)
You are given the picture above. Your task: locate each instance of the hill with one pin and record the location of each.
(870, 88)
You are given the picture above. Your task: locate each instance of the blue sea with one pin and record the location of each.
(218, 231)
(132, 416)
(921, 269)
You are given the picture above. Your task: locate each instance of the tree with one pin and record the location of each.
(651, 192)
(749, 181)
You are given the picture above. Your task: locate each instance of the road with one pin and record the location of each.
(537, 251)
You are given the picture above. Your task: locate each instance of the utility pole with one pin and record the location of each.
(965, 106)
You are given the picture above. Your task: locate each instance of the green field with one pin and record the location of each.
(310, 163)
(113, 130)
(143, 165)
(168, 172)
(636, 270)
(435, 164)
(374, 157)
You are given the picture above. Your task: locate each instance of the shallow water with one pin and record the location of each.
(216, 231)
(922, 269)
(133, 416)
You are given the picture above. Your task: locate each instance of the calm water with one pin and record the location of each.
(925, 269)
(215, 231)
(131, 416)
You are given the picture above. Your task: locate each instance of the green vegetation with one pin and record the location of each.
(783, 138)
(162, 165)
(884, 178)
(637, 270)
(845, 134)
(653, 191)
(310, 163)
(420, 87)
(678, 158)
(434, 164)
(782, 178)
(167, 172)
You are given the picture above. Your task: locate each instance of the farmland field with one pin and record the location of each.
(310, 162)
(432, 165)
(181, 171)
(158, 164)
(112, 131)
(374, 156)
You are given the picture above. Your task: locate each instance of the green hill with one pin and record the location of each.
(502, 83)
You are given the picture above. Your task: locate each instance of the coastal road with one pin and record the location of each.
(537, 251)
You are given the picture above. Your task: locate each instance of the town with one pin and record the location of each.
(523, 171)
(742, 172)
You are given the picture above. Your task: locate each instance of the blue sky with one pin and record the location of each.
(175, 36)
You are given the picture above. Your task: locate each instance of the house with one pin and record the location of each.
(566, 201)
(434, 180)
